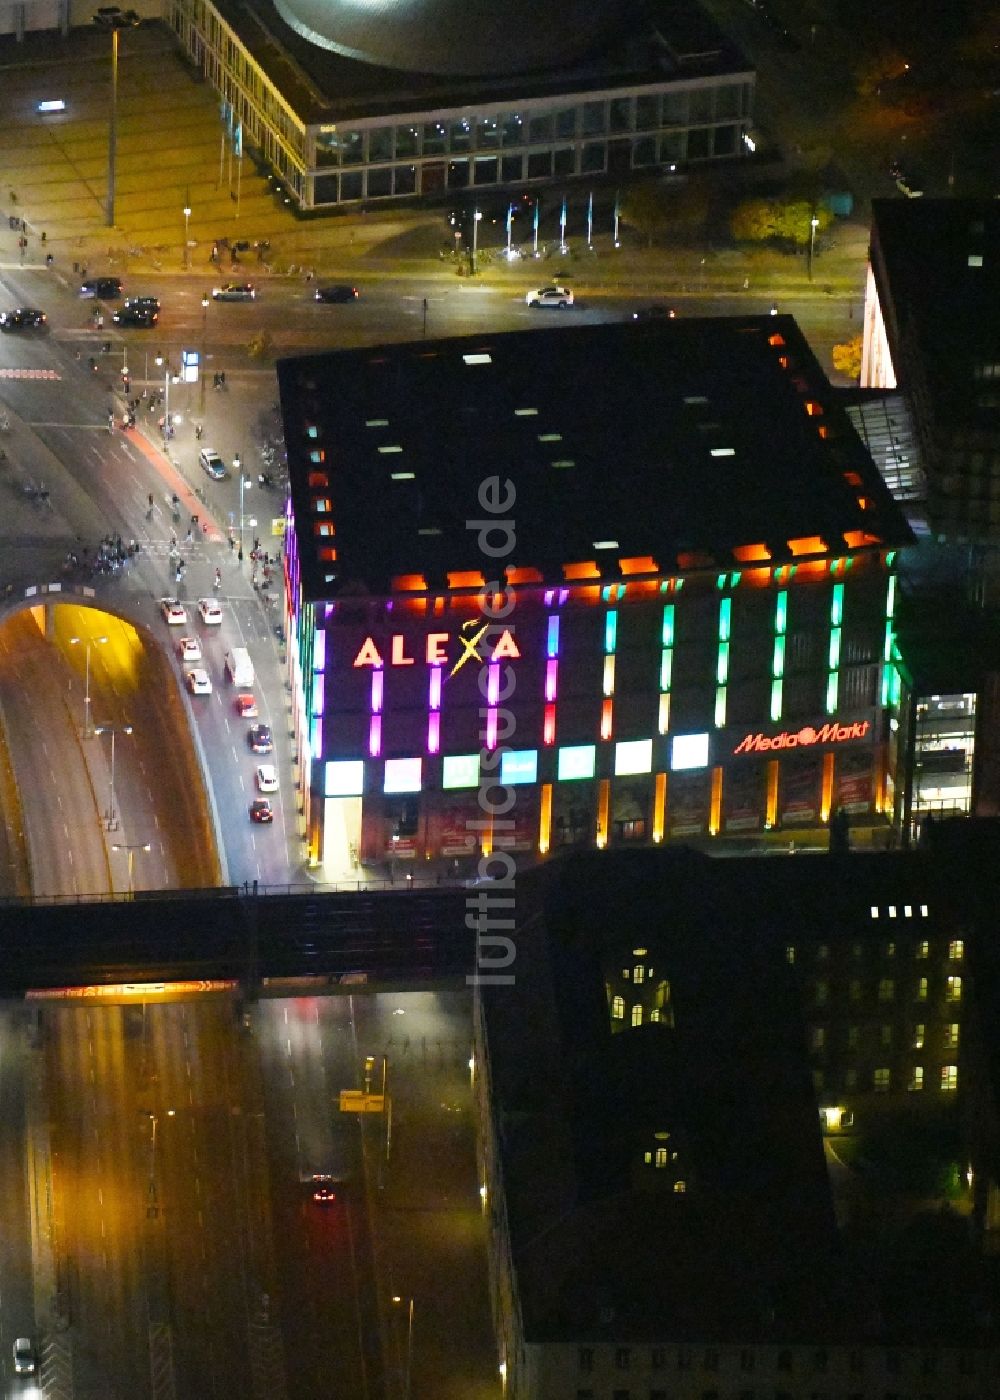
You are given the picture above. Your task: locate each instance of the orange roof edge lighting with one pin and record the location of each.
(808, 544)
(466, 578)
(642, 564)
(856, 539)
(518, 574)
(751, 553)
(587, 570)
(409, 583)
(695, 559)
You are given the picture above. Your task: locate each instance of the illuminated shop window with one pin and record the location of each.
(576, 761)
(345, 778)
(460, 771)
(949, 1078)
(402, 775)
(688, 751)
(633, 756)
(519, 766)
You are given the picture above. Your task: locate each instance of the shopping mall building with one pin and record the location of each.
(584, 587)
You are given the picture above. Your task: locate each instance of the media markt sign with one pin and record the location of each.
(805, 738)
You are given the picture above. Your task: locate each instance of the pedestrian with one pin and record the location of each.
(189, 536)
(232, 544)
(44, 236)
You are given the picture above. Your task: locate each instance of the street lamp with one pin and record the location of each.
(204, 334)
(113, 730)
(162, 363)
(396, 1298)
(87, 642)
(477, 214)
(245, 485)
(187, 250)
(113, 17)
(130, 851)
(813, 226)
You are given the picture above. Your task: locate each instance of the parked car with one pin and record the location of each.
(142, 316)
(234, 291)
(212, 464)
(550, 296)
(23, 318)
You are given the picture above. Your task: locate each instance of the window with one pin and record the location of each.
(638, 973)
(922, 985)
(637, 1015)
(886, 989)
(818, 1080)
(885, 1036)
(854, 991)
(856, 950)
(951, 1035)
(680, 1187)
(949, 1078)
(853, 1035)
(890, 948)
(923, 948)
(850, 1079)
(953, 989)
(661, 1157)
(919, 1031)
(882, 1081)
(822, 991)
(817, 1038)
(623, 1358)
(617, 1008)
(586, 1358)
(916, 1079)
(956, 949)
(789, 953)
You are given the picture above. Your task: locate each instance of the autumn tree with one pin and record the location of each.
(847, 358)
(647, 207)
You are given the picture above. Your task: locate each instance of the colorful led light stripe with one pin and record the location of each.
(434, 732)
(375, 736)
(778, 655)
(551, 680)
(378, 689)
(666, 667)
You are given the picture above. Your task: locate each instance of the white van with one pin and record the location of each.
(239, 667)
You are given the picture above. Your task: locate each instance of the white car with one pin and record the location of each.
(550, 296)
(199, 682)
(173, 613)
(25, 1360)
(267, 778)
(189, 649)
(211, 613)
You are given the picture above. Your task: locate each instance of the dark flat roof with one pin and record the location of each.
(628, 44)
(941, 304)
(679, 441)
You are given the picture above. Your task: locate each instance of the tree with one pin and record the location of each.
(647, 207)
(847, 358)
(759, 220)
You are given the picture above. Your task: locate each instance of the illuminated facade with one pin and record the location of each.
(645, 664)
(340, 127)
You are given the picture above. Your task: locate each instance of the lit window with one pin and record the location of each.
(886, 989)
(956, 949)
(789, 953)
(576, 761)
(689, 751)
(402, 775)
(617, 1008)
(907, 911)
(680, 1187)
(892, 911)
(345, 778)
(874, 911)
(922, 989)
(924, 911)
(638, 973)
(949, 1078)
(923, 948)
(460, 771)
(519, 766)
(882, 1081)
(637, 1014)
(634, 756)
(661, 1157)
(953, 989)
(919, 1032)
(951, 1035)
(916, 1079)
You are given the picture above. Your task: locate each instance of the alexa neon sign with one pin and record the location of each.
(438, 649)
(804, 738)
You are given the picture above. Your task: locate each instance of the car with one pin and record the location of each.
(143, 303)
(210, 612)
(234, 291)
(22, 318)
(259, 738)
(212, 464)
(260, 811)
(246, 705)
(189, 649)
(104, 288)
(267, 778)
(340, 292)
(25, 1358)
(655, 312)
(550, 296)
(142, 316)
(174, 614)
(199, 682)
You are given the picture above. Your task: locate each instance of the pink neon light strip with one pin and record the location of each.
(549, 725)
(551, 680)
(433, 732)
(491, 728)
(378, 685)
(375, 736)
(493, 683)
(434, 695)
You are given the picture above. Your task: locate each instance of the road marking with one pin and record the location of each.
(29, 374)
